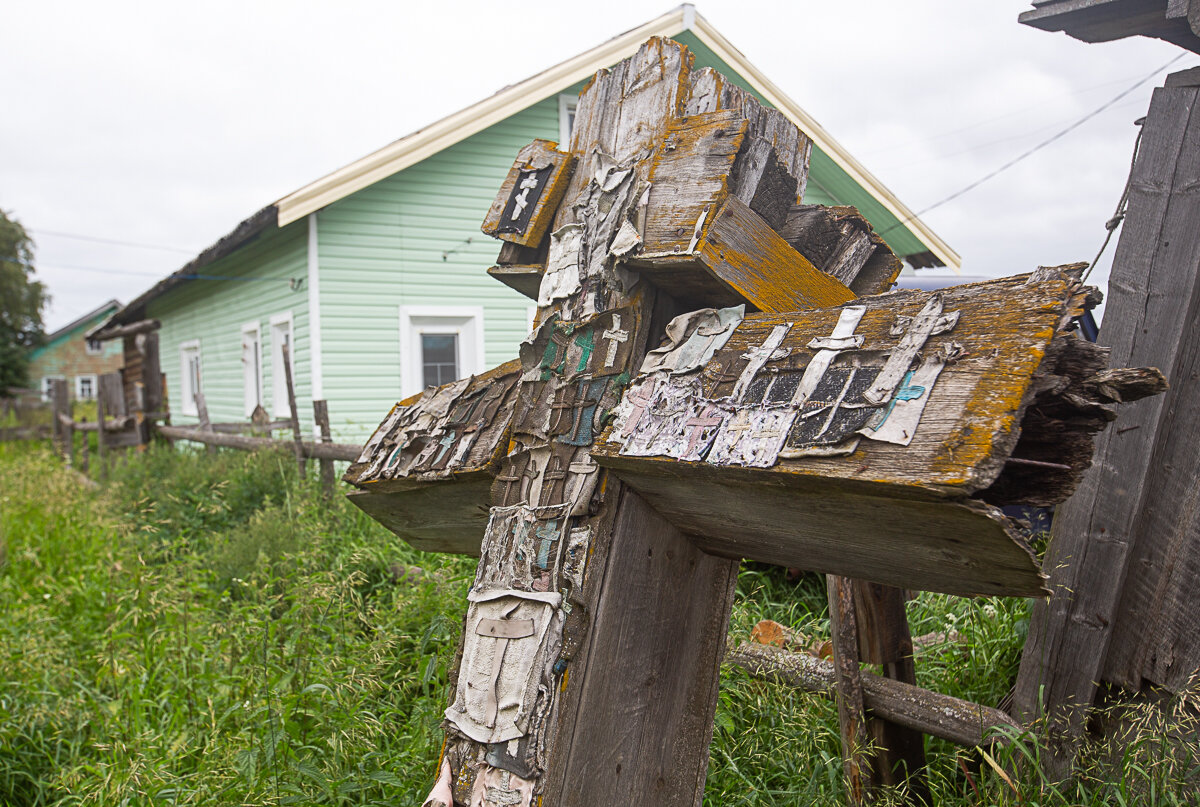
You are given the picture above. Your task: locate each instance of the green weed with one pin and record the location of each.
(207, 629)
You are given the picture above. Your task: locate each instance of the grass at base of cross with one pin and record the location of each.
(208, 630)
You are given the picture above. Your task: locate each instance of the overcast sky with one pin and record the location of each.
(166, 124)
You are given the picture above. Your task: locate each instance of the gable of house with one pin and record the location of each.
(66, 354)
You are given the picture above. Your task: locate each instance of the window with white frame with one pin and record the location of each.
(189, 376)
(251, 367)
(566, 119)
(93, 347)
(85, 387)
(281, 337)
(47, 380)
(439, 344)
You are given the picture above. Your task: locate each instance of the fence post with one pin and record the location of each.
(291, 391)
(205, 424)
(321, 418)
(62, 405)
(101, 448)
(86, 449)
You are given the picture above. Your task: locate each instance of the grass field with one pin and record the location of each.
(208, 630)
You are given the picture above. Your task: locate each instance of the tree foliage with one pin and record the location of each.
(22, 299)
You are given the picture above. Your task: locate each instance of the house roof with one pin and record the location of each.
(91, 316)
(446, 132)
(454, 128)
(1106, 20)
(95, 313)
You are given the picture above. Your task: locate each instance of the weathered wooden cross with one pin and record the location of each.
(698, 391)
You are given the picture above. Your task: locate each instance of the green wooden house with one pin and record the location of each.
(67, 354)
(376, 274)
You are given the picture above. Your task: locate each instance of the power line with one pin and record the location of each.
(116, 242)
(190, 276)
(1022, 111)
(1036, 148)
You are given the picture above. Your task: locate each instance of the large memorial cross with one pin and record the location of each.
(697, 391)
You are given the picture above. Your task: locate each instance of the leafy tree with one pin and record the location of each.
(22, 299)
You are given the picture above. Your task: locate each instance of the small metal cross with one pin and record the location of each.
(615, 336)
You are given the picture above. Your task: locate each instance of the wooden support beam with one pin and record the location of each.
(843, 627)
(932, 713)
(132, 329)
(884, 639)
(881, 506)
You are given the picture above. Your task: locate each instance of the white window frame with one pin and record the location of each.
(567, 104)
(249, 392)
(466, 321)
(79, 386)
(96, 351)
(279, 396)
(46, 385)
(187, 395)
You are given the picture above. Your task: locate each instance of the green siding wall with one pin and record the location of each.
(404, 241)
(214, 312)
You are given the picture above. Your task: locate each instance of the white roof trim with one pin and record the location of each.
(444, 133)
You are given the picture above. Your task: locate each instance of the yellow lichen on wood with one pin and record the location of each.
(536, 155)
(740, 249)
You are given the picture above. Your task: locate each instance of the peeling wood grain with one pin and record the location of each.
(968, 724)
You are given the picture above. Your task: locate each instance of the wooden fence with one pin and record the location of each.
(116, 430)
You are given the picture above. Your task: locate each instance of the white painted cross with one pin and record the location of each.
(615, 336)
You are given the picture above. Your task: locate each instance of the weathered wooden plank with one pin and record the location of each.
(1156, 636)
(738, 246)
(1107, 20)
(152, 378)
(953, 719)
(651, 669)
(331, 451)
(843, 627)
(884, 639)
(1151, 297)
(297, 437)
(689, 176)
(841, 243)
(321, 420)
(971, 422)
(435, 517)
(710, 91)
(528, 198)
(524, 279)
(962, 549)
(132, 329)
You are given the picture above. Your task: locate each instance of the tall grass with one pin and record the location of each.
(209, 630)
